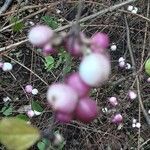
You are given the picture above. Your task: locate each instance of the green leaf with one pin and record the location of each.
(68, 64)
(147, 67)
(36, 106)
(23, 117)
(49, 63)
(51, 21)
(18, 26)
(16, 134)
(7, 110)
(42, 144)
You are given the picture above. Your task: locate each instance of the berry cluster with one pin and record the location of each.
(70, 100)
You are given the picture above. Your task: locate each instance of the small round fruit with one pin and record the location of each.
(40, 35)
(63, 117)
(99, 42)
(77, 84)
(62, 98)
(28, 88)
(7, 66)
(48, 50)
(117, 119)
(86, 110)
(147, 67)
(94, 69)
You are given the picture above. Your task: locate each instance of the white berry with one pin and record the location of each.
(128, 66)
(113, 47)
(134, 11)
(7, 66)
(94, 69)
(130, 8)
(121, 59)
(30, 113)
(122, 64)
(138, 125)
(35, 91)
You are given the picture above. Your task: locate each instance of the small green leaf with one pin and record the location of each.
(36, 106)
(49, 63)
(7, 111)
(23, 117)
(16, 134)
(67, 65)
(51, 21)
(147, 67)
(18, 26)
(42, 144)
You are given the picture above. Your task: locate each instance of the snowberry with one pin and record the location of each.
(1, 64)
(30, 113)
(28, 88)
(62, 97)
(148, 79)
(133, 125)
(117, 118)
(6, 99)
(77, 84)
(99, 42)
(94, 69)
(113, 101)
(130, 8)
(86, 110)
(121, 59)
(34, 91)
(134, 121)
(40, 35)
(7, 66)
(47, 49)
(132, 95)
(135, 10)
(149, 112)
(138, 125)
(128, 66)
(113, 47)
(122, 64)
(63, 117)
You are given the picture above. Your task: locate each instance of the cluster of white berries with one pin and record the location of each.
(30, 89)
(136, 124)
(123, 64)
(133, 9)
(6, 66)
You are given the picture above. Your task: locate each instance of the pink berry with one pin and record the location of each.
(40, 35)
(63, 117)
(62, 98)
(113, 101)
(30, 113)
(77, 84)
(117, 119)
(86, 110)
(28, 88)
(1, 64)
(94, 69)
(99, 42)
(47, 49)
(132, 95)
